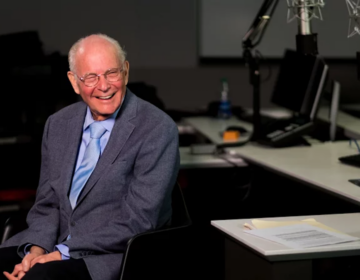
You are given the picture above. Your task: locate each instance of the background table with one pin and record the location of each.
(250, 257)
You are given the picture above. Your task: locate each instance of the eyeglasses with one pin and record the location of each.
(92, 79)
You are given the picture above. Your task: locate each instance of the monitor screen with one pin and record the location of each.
(299, 83)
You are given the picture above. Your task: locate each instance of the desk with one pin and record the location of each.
(212, 127)
(350, 124)
(190, 161)
(249, 257)
(317, 165)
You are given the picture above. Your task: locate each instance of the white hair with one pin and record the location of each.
(74, 49)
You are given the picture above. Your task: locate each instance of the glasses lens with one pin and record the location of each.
(91, 80)
(113, 75)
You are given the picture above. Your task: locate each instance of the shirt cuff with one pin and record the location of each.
(64, 251)
(27, 249)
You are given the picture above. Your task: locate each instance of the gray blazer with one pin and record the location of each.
(129, 191)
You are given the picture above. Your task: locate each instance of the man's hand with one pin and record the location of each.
(18, 273)
(54, 256)
(35, 251)
(23, 267)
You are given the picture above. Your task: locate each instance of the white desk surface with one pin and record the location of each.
(317, 165)
(350, 124)
(188, 160)
(212, 127)
(347, 223)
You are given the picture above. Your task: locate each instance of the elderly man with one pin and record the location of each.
(108, 168)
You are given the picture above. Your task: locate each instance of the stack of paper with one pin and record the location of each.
(297, 234)
(260, 224)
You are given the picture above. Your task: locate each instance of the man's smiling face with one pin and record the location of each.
(97, 56)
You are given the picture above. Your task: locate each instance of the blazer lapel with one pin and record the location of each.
(73, 137)
(119, 135)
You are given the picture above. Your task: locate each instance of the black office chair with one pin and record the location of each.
(163, 253)
(13, 224)
(158, 254)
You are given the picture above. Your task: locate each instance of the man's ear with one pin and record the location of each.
(73, 82)
(126, 71)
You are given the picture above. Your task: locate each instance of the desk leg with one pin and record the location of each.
(241, 263)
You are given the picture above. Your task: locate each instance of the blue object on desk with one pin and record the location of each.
(224, 111)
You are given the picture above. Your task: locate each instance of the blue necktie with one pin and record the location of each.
(91, 157)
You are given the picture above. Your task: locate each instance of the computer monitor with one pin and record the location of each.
(300, 83)
(334, 108)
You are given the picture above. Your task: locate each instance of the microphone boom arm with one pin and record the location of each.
(251, 39)
(255, 33)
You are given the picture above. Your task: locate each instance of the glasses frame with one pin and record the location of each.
(121, 69)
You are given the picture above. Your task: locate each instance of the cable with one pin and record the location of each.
(232, 144)
(259, 54)
(356, 143)
(219, 153)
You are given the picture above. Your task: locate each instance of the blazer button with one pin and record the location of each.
(72, 224)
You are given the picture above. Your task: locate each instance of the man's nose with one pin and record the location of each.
(103, 84)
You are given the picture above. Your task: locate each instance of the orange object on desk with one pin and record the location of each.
(231, 135)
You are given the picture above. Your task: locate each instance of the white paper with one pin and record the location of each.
(301, 236)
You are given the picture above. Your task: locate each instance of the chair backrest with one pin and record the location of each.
(160, 254)
(13, 225)
(180, 215)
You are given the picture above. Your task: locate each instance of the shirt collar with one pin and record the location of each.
(108, 123)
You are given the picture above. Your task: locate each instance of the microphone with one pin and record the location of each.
(354, 26)
(354, 17)
(305, 11)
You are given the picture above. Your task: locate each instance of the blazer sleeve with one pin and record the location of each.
(43, 218)
(142, 209)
